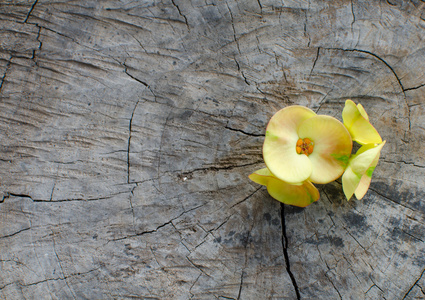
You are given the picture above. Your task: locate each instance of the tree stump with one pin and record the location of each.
(129, 129)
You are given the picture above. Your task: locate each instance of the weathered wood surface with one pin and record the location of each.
(128, 130)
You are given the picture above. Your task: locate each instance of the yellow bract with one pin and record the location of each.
(357, 122)
(293, 161)
(298, 195)
(302, 148)
(358, 175)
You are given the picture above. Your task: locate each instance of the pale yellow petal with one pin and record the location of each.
(367, 156)
(357, 177)
(297, 195)
(362, 111)
(279, 150)
(300, 195)
(261, 176)
(357, 122)
(332, 147)
(349, 113)
(363, 186)
(350, 181)
(285, 122)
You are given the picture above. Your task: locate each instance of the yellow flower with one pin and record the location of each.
(298, 195)
(300, 146)
(356, 178)
(357, 122)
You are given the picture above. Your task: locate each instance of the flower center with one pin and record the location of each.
(305, 146)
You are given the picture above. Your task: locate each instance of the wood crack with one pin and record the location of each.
(377, 57)
(315, 61)
(64, 277)
(40, 43)
(216, 169)
(242, 73)
(333, 285)
(181, 14)
(285, 251)
(157, 228)
(138, 80)
(403, 90)
(244, 132)
(234, 30)
(354, 16)
(413, 285)
(403, 162)
(15, 233)
(415, 87)
(8, 195)
(391, 200)
(30, 11)
(129, 140)
(3, 79)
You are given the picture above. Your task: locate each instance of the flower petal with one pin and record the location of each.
(357, 122)
(279, 149)
(261, 176)
(298, 195)
(350, 182)
(362, 111)
(367, 156)
(357, 177)
(363, 186)
(332, 147)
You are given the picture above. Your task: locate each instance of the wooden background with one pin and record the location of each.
(128, 130)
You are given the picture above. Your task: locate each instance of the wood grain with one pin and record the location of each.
(128, 131)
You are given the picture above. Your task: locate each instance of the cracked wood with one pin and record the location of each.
(128, 130)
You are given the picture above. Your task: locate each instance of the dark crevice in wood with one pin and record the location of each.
(181, 14)
(129, 140)
(354, 16)
(134, 78)
(15, 233)
(143, 232)
(246, 198)
(333, 285)
(3, 79)
(8, 195)
(131, 206)
(57, 279)
(285, 251)
(233, 27)
(260, 5)
(389, 199)
(413, 285)
(157, 228)
(315, 60)
(31, 9)
(306, 34)
(414, 88)
(377, 57)
(240, 285)
(421, 288)
(64, 277)
(199, 267)
(246, 241)
(244, 132)
(242, 73)
(403, 90)
(138, 80)
(403, 162)
(39, 42)
(216, 169)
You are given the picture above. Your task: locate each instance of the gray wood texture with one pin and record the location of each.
(128, 130)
